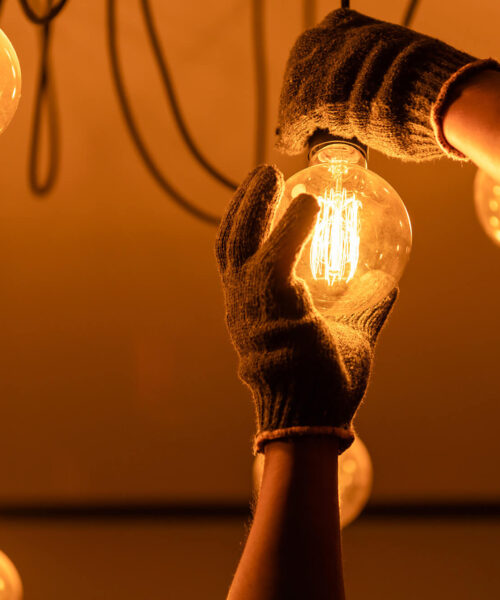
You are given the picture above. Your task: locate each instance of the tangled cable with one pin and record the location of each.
(46, 103)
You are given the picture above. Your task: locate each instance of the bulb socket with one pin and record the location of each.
(322, 138)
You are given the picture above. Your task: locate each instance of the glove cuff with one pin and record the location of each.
(439, 107)
(344, 434)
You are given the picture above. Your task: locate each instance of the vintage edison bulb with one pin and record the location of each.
(355, 477)
(10, 81)
(361, 241)
(487, 201)
(11, 587)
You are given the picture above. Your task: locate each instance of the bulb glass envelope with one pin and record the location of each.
(10, 81)
(361, 241)
(11, 587)
(487, 201)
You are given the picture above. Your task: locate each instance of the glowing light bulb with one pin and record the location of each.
(11, 587)
(487, 201)
(362, 238)
(10, 81)
(355, 477)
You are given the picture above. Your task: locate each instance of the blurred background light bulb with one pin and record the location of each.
(11, 587)
(355, 477)
(362, 238)
(487, 201)
(10, 81)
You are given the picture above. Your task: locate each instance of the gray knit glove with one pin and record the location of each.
(307, 375)
(384, 84)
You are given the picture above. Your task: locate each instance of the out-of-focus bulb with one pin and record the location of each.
(362, 238)
(487, 201)
(355, 477)
(355, 481)
(11, 587)
(10, 81)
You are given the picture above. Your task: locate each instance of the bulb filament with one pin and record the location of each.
(335, 243)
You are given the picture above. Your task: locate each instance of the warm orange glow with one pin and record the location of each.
(335, 244)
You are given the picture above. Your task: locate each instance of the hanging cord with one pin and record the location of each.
(44, 99)
(258, 9)
(133, 130)
(410, 12)
(309, 13)
(45, 104)
(172, 99)
(345, 4)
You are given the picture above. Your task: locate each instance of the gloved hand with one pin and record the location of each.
(384, 84)
(307, 375)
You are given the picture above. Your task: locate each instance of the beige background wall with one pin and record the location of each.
(117, 378)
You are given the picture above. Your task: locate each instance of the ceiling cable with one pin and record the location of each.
(37, 19)
(173, 101)
(45, 105)
(133, 129)
(410, 12)
(345, 4)
(309, 13)
(258, 20)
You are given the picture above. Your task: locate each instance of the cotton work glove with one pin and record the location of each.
(307, 376)
(384, 84)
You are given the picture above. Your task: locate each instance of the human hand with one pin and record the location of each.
(384, 84)
(307, 374)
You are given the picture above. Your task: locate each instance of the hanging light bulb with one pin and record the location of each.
(487, 201)
(355, 477)
(10, 81)
(11, 587)
(355, 481)
(362, 238)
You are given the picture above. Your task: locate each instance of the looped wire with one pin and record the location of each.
(37, 19)
(45, 103)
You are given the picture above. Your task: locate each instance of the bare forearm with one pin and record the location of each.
(293, 550)
(472, 121)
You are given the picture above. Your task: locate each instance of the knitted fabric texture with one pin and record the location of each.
(384, 84)
(307, 376)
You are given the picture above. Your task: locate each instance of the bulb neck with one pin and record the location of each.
(325, 148)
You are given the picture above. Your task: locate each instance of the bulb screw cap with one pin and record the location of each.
(322, 137)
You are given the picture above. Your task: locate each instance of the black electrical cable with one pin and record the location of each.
(133, 130)
(309, 13)
(258, 20)
(44, 99)
(345, 4)
(51, 14)
(172, 99)
(410, 12)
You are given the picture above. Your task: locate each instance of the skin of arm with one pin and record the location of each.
(472, 120)
(293, 550)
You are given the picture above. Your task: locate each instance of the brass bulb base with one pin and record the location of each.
(322, 138)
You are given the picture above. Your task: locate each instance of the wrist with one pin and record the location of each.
(305, 463)
(466, 109)
(344, 435)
